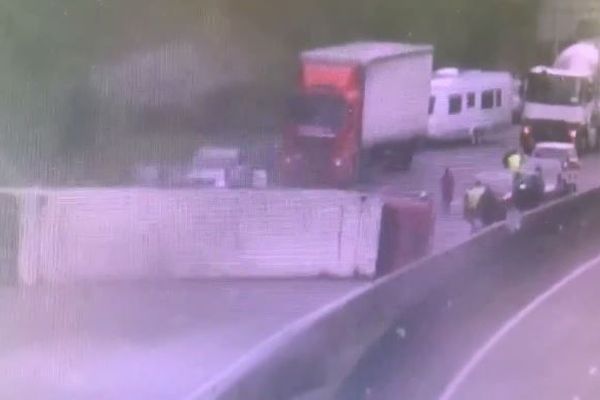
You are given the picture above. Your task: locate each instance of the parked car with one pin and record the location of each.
(566, 155)
(529, 189)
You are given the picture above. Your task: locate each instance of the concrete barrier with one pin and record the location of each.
(311, 357)
(94, 234)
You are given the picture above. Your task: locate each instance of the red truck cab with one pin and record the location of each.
(320, 143)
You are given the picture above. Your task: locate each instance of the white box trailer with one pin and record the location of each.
(396, 93)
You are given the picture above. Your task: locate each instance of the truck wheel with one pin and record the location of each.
(407, 153)
(399, 157)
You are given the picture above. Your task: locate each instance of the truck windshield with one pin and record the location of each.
(318, 111)
(553, 89)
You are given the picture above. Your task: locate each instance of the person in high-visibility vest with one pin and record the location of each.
(471, 205)
(513, 161)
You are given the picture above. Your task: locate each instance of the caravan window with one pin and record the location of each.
(455, 104)
(431, 104)
(470, 100)
(498, 98)
(487, 99)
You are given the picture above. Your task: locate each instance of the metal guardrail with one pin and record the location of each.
(313, 355)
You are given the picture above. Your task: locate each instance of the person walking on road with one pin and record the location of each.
(472, 206)
(447, 184)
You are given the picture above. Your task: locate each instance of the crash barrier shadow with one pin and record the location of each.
(310, 358)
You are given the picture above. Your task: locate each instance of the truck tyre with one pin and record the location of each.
(397, 158)
(407, 153)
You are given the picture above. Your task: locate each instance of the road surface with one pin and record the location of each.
(141, 340)
(549, 350)
(165, 340)
(465, 161)
(481, 337)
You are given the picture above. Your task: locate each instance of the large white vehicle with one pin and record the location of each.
(357, 103)
(561, 102)
(466, 104)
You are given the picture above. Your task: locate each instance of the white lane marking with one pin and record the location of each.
(466, 370)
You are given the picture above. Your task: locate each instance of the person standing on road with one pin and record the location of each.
(447, 184)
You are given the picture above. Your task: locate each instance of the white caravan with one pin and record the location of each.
(466, 104)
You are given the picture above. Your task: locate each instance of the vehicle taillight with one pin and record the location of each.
(572, 133)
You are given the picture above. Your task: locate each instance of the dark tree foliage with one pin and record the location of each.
(50, 46)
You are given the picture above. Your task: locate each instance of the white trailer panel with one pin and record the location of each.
(396, 98)
(119, 234)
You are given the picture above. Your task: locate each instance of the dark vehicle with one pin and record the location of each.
(492, 208)
(528, 191)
